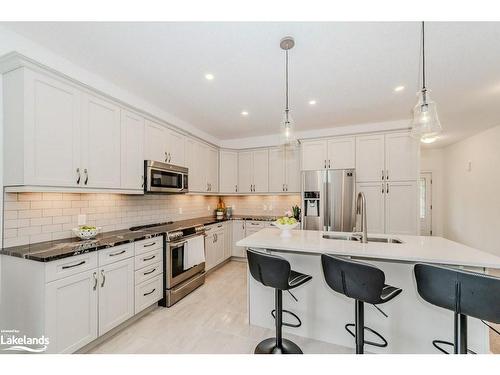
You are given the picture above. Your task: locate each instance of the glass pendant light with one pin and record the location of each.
(287, 127)
(425, 124)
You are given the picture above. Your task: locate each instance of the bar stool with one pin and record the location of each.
(365, 284)
(275, 272)
(463, 292)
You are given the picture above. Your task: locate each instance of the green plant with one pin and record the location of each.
(296, 212)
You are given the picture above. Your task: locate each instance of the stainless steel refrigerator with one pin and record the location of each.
(328, 200)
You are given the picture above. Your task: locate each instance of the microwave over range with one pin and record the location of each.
(164, 178)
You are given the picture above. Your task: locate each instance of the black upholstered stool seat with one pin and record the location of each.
(465, 293)
(365, 284)
(275, 272)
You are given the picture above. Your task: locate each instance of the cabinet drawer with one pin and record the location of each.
(145, 246)
(148, 272)
(148, 293)
(148, 258)
(70, 266)
(116, 253)
(255, 224)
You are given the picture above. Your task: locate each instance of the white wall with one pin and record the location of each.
(472, 198)
(432, 160)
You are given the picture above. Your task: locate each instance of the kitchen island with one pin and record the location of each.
(411, 324)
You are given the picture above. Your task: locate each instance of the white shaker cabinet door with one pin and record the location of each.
(314, 155)
(101, 140)
(71, 312)
(175, 148)
(228, 172)
(52, 131)
(261, 171)
(238, 234)
(401, 208)
(132, 150)
(155, 142)
(375, 205)
(292, 169)
(277, 170)
(116, 294)
(401, 157)
(370, 164)
(213, 169)
(245, 167)
(341, 153)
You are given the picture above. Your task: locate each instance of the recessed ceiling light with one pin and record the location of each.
(399, 88)
(244, 113)
(428, 139)
(312, 102)
(209, 76)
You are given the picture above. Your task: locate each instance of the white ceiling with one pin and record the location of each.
(350, 68)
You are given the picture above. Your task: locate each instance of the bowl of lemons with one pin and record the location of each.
(286, 224)
(86, 232)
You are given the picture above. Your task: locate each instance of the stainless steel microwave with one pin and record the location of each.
(164, 178)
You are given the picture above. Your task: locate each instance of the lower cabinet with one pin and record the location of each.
(214, 246)
(238, 234)
(116, 294)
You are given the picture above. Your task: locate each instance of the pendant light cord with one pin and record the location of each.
(286, 85)
(423, 56)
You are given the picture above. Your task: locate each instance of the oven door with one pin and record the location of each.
(175, 272)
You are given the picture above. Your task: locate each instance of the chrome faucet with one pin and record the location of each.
(361, 215)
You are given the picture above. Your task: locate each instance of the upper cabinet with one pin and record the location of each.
(393, 156)
(335, 153)
(132, 150)
(202, 160)
(155, 142)
(228, 166)
(175, 148)
(284, 170)
(253, 171)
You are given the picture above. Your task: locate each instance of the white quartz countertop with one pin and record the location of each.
(413, 249)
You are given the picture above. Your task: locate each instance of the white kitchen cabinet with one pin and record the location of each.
(132, 150)
(370, 155)
(213, 169)
(314, 155)
(238, 227)
(214, 246)
(155, 142)
(401, 157)
(175, 148)
(253, 171)
(228, 235)
(375, 205)
(401, 207)
(228, 171)
(116, 294)
(101, 143)
(292, 170)
(341, 153)
(192, 163)
(71, 312)
(206, 167)
(284, 170)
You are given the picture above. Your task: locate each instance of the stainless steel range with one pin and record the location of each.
(179, 279)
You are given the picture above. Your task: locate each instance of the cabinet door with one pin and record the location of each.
(71, 312)
(175, 148)
(245, 166)
(210, 250)
(52, 132)
(369, 158)
(101, 139)
(228, 235)
(192, 164)
(155, 142)
(116, 294)
(219, 246)
(228, 172)
(213, 169)
(277, 170)
(341, 153)
(314, 155)
(401, 157)
(375, 208)
(401, 208)
(261, 171)
(200, 180)
(238, 234)
(292, 170)
(132, 151)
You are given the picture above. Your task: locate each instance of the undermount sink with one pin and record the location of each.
(350, 237)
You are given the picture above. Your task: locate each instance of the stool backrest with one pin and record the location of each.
(357, 280)
(463, 292)
(270, 270)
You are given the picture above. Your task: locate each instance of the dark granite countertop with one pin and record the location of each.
(53, 250)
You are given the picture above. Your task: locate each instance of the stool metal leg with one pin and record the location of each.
(278, 297)
(460, 346)
(360, 326)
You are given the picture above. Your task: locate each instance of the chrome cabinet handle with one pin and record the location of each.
(166, 157)
(283, 187)
(169, 157)
(79, 176)
(235, 188)
(86, 176)
(386, 174)
(387, 188)
(115, 254)
(149, 244)
(103, 278)
(151, 257)
(148, 293)
(286, 187)
(382, 188)
(142, 180)
(94, 275)
(328, 163)
(73, 265)
(147, 273)
(383, 175)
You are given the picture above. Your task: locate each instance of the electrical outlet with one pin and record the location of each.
(82, 219)
(180, 210)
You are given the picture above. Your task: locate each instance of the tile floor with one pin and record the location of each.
(212, 319)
